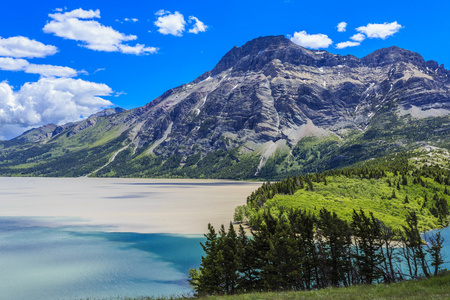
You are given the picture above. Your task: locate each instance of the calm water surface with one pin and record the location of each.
(72, 239)
(79, 238)
(39, 261)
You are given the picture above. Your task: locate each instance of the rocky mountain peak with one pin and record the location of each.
(391, 55)
(251, 48)
(257, 53)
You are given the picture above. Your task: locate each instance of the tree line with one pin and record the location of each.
(396, 170)
(296, 250)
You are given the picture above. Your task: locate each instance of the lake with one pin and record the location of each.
(74, 238)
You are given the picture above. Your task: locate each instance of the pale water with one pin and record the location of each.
(42, 262)
(79, 238)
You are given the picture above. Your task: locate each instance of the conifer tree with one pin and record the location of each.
(247, 263)
(335, 235)
(230, 264)
(414, 242)
(434, 249)
(210, 279)
(368, 232)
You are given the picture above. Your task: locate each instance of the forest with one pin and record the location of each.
(298, 251)
(296, 245)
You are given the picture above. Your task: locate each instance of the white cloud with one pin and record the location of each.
(162, 12)
(50, 70)
(313, 41)
(381, 31)
(137, 49)
(18, 64)
(76, 14)
(13, 64)
(169, 23)
(341, 27)
(20, 46)
(199, 26)
(359, 37)
(347, 44)
(95, 36)
(134, 20)
(49, 100)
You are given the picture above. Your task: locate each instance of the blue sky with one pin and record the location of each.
(61, 61)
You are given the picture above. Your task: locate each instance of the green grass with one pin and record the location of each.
(343, 195)
(433, 288)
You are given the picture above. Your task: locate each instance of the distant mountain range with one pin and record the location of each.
(268, 109)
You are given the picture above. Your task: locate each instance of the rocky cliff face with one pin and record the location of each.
(272, 90)
(270, 93)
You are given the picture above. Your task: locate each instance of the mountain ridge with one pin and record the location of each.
(264, 98)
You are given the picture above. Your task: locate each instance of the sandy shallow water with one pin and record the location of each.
(183, 206)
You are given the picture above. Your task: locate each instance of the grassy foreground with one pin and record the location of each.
(432, 288)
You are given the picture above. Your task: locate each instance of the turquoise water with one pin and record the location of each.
(38, 261)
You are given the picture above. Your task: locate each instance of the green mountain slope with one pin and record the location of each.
(389, 187)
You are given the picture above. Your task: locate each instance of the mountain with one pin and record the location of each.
(268, 108)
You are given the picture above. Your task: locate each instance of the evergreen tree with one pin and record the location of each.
(247, 263)
(369, 258)
(335, 235)
(230, 264)
(434, 249)
(210, 279)
(414, 242)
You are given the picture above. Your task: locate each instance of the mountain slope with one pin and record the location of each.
(268, 108)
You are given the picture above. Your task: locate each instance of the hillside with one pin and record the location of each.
(269, 108)
(390, 187)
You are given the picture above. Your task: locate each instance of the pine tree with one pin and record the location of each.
(434, 249)
(393, 196)
(210, 278)
(367, 231)
(247, 263)
(230, 263)
(414, 242)
(335, 235)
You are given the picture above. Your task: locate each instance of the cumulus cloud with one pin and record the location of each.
(175, 24)
(347, 44)
(79, 25)
(381, 31)
(18, 64)
(50, 70)
(13, 64)
(49, 100)
(313, 41)
(342, 27)
(169, 23)
(359, 37)
(20, 46)
(199, 26)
